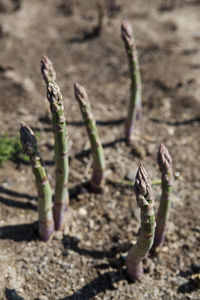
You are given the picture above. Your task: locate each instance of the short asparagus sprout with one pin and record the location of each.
(47, 70)
(135, 104)
(61, 201)
(145, 200)
(97, 180)
(29, 144)
(165, 166)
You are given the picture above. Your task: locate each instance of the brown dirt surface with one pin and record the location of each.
(85, 260)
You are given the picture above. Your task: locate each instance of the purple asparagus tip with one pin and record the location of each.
(80, 92)
(28, 139)
(164, 159)
(142, 186)
(127, 32)
(47, 70)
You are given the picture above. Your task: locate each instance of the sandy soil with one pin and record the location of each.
(85, 260)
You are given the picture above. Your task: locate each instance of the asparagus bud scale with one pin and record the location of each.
(47, 70)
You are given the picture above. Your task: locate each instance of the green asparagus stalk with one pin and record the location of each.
(135, 104)
(165, 166)
(47, 70)
(97, 180)
(29, 144)
(61, 201)
(145, 200)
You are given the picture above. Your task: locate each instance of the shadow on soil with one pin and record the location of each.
(72, 244)
(98, 285)
(15, 203)
(20, 233)
(87, 36)
(177, 123)
(18, 204)
(193, 284)
(11, 294)
(87, 152)
(16, 194)
(98, 122)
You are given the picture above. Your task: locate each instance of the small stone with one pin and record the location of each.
(58, 235)
(91, 224)
(165, 249)
(82, 211)
(171, 131)
(43, 297)
(28, 85)
(6, 183)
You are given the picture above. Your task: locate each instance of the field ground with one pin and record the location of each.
(84, 261)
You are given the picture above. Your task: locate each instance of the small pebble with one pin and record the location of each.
(171, 131)
(82, 211)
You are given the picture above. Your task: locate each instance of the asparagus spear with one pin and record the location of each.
(29, 144)
(144, 196)
(47, 70)
(165, 166)
(61, 201)
(96, 182)
(135, 104)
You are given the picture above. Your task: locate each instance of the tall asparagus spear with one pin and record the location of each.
(135, 104)
(145, 200)
(96, 182)
(61, 200)
(165, 165)
(47, 70)
(29, 144)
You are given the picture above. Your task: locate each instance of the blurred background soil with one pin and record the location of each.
(85, 260)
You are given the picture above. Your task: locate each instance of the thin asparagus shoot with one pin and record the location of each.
(165, 166)
(61, 201)
(97, 180)
(145, 200)
(47, 70)
(29, 144)
(135, 104)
